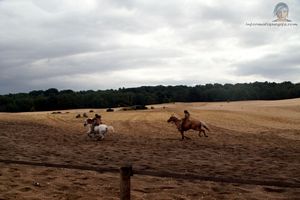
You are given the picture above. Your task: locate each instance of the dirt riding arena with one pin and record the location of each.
(252, 152)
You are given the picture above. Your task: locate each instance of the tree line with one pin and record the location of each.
(53, 99)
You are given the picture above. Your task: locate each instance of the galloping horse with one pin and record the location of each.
(187, 125)
(99, 131)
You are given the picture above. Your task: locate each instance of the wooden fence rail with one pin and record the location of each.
(165, 174)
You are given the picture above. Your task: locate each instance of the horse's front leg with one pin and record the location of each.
(89, 133)
(199, 134)
(182, 135)
(187, 137)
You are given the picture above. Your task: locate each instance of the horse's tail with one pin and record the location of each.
(111, 129)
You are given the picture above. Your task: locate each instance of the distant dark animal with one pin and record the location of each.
(56, 112)
(135, 107)
(109, 110)
(187, 125)
(78, 116)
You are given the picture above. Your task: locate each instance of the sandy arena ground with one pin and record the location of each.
(250, 140)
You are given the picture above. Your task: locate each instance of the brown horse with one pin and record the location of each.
(187, 125)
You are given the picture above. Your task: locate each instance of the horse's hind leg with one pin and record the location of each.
(204, 133)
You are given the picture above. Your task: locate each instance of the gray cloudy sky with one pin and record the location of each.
(98, 44)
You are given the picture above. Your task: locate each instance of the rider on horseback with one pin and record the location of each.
(185, 119)
(96, 122)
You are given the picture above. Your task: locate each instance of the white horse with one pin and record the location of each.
(99, 131)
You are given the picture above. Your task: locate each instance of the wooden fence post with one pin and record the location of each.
(125, 173)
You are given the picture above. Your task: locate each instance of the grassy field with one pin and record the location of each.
(249, 140)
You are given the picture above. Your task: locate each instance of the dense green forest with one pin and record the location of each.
(53, 99)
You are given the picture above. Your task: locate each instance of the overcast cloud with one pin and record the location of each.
(97, 44)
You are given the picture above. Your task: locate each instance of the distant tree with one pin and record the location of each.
(51, 91)
(53, 99)
(36, 93)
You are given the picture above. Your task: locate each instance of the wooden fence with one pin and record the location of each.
(126, 171)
